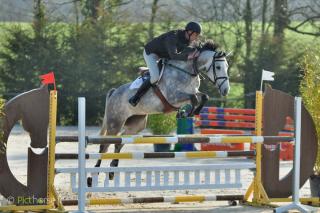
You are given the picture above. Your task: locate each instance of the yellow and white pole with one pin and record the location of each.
(52, 195)
(256, 188)
(52, 145)
(257, 179)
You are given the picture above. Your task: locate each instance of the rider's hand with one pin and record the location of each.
(193, 55)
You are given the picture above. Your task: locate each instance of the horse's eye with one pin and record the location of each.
(218, 67)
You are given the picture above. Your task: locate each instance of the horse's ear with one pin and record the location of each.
(199, 45)
(220, 54)
(229, 54)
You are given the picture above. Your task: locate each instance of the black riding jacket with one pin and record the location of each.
(171, 45)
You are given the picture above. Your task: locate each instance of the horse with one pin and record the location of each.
(179, 85)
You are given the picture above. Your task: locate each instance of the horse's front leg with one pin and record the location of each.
(188, 98)
(203, 100)
(103, 148)
(115, 162)
(194, 103)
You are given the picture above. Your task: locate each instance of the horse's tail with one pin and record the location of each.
(103, 130)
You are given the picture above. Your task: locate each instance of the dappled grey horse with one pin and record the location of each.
(179, 85)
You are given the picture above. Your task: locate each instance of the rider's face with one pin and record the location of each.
(193, 36)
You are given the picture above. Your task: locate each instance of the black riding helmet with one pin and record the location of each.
(194, 27)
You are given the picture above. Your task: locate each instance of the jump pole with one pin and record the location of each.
(54, 200)
(256, 188)
(82, 183)
(52, 135)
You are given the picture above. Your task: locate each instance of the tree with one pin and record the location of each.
(39, 20)
(249, 73)
(278, 53)
(29, 52)
(154, 9)
(92, 9)
(280, 19)
(263, 16)
(308, 15)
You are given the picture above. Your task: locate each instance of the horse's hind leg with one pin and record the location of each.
(103, 148)
(133, 125)
(114, 130)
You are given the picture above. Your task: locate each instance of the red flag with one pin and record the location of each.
(48, 79)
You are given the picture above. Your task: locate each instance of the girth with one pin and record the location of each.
(167, 106)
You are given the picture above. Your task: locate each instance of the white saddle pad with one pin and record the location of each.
(137, 83)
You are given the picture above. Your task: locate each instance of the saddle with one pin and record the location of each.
(144, 71)
(145, 74)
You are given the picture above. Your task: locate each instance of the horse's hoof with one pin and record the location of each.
(232, 203)
(111, 175)
(196, 112)
(89, 181)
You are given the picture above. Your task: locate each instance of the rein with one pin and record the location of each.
(215, 58)
(183, 70)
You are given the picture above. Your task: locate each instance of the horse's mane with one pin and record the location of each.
(207, 45)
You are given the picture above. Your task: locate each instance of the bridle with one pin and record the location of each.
(196, 72)
(216, 57)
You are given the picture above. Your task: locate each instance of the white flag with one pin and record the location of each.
(267, 75)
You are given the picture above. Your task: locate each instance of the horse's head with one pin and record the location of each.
(214, 65)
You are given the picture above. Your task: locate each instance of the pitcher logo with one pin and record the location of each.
(31, 201)
(10, 199)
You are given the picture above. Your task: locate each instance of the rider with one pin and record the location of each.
(171, 45)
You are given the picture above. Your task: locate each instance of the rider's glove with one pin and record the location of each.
(193, 55)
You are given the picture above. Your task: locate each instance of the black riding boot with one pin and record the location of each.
(134, 100)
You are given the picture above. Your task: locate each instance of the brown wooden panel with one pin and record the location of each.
(32, 108)
(277, 106)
